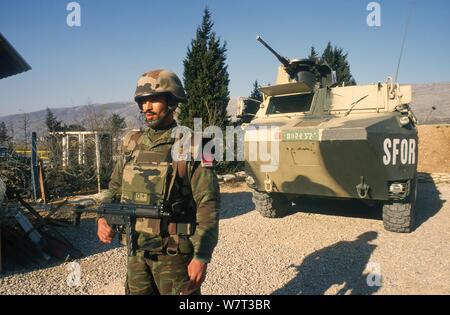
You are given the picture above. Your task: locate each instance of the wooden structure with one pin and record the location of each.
(81, 137)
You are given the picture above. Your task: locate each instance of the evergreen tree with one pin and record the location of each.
(52, 123)
(256, 93)
(4, 137)
(313, 54)
(251, 107)
(206, 78)
(117, 122)
(73, 127)
(337, 60)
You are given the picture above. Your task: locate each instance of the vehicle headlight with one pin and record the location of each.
(397, 188)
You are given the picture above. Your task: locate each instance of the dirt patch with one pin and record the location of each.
(434, 148)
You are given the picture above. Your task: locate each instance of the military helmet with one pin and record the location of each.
(157, 82)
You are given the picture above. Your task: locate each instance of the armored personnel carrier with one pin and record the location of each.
(346, 142)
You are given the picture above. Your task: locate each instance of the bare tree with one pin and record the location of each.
(94, 120)
(11, 131)
(26, 129)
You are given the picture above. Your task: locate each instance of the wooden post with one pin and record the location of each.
(83, 149)
(64, 152)
(34, 167)
(97, 157)
(67, 151)
(80, 149)
(42, 181)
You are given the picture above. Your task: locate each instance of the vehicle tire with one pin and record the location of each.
(270, 205)
(400, 217)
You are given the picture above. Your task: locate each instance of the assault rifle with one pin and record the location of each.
(122, 216)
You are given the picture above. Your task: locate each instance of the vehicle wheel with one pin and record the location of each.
(270, 205)
(399, 217)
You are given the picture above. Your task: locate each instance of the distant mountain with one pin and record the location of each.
(425, 96)
(72, 115)
(77, 114)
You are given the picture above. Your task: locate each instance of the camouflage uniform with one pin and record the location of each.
(145, 175)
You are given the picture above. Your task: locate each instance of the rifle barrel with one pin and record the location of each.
(132, 210)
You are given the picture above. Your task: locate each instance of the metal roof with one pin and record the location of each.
(11, 62)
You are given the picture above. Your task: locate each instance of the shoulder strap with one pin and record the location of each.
(182, 168)
(179, 168)
(129, 144)
(131, 140)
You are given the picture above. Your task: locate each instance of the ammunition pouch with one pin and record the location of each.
(166, 237)
(182, 221)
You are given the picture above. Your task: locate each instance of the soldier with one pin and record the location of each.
(172, 257)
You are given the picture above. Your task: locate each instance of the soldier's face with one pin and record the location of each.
(154, 107)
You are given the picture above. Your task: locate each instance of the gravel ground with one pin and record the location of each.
(322, 247)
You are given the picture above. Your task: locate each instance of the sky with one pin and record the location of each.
(100, 60)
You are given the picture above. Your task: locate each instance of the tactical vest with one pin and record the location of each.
(151, 177)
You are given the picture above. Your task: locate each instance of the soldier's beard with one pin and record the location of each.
(158, 123)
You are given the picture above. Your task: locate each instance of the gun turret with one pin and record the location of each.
(286, 62)
(303, 69)
(291, 67)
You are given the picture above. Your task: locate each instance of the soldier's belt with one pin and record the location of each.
(153, 226)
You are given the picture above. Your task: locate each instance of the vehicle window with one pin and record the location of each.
(290, 104)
